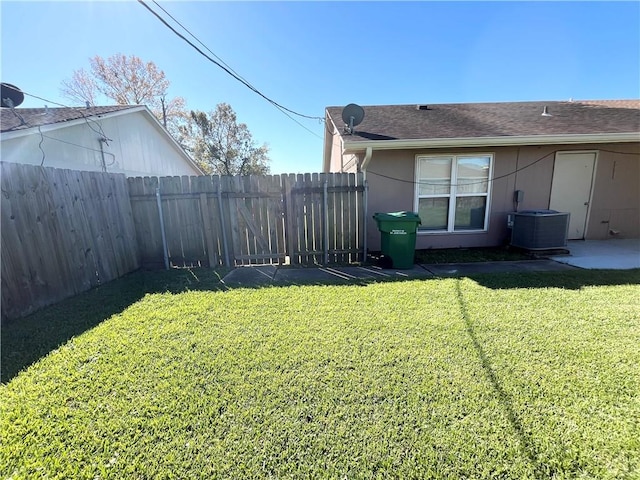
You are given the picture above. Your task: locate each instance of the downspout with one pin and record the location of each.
(365, 162)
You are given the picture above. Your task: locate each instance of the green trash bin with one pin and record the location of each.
(398, 235)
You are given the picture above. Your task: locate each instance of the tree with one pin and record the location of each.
(220, 145)
(127, 81)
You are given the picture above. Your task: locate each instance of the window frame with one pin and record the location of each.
(453, 195)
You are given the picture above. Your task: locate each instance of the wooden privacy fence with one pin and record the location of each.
(63, 232)
(242, 220)
(66, 231)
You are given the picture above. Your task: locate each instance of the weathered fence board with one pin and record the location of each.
(235, 220)
(63, 232)
(66, 231)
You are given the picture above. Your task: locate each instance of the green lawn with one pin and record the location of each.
(501, 376)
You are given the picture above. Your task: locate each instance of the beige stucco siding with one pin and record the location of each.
(391, 188)
(615, 198)
(339, 162)
(615, 204)
(533, 167)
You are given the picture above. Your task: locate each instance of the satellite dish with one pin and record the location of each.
(352, 115)
(11, 95)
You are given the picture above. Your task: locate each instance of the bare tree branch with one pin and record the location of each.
(126, 80)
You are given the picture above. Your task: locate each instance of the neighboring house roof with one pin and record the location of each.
(24, 121)
(484, 124)
(25, 118)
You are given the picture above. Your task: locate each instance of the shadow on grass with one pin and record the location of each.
(566, 279)
(26, 340)
(572, 279)
(526, 443)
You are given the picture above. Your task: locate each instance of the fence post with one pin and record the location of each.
(289, 210)
(227, 261)
(325, 221)
(164, 236)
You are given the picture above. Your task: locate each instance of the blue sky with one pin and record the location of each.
(310, 55)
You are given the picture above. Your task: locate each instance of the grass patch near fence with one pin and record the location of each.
(25, 340)
(494, 377)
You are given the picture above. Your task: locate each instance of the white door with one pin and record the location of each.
(571, 189)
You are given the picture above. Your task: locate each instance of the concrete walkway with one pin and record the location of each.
(617, 254)
(614, 254)
(263, 275)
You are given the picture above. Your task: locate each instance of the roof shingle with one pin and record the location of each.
(24, 118)
(507, 119)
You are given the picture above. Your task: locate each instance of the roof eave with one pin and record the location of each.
(139, 108)
(69, 123)
(360, 146)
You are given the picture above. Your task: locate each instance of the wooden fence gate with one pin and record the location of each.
(245, 220)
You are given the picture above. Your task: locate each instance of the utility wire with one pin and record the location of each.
(412, 182)
(235, 74)
(225, 68)
(86, 118)
(79, 109)
(198, 40)
(40, 145)
(80, 146)
(466, 183)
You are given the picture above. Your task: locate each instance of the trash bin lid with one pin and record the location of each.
(537, 212)
(397, 217)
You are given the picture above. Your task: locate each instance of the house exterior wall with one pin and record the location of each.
(615, 204)
(136, 148)
(615, 200)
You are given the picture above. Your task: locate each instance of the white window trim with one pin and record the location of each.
(453, 194)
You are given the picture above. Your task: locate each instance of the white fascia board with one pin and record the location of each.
(353, 147)
(94, 118)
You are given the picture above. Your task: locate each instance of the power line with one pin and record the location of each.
(466, 183)
(79, 146)
(40, 145)
(198, 40)
(79, 109)
(231, 71)
(86, 119)
(222, 65)
(412, 182)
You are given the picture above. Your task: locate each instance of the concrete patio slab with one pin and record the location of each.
(616, 254)
(339, 274)
(590, 254)
(254, 276)
(264, 275)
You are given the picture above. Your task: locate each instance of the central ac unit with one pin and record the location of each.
(539, 229)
